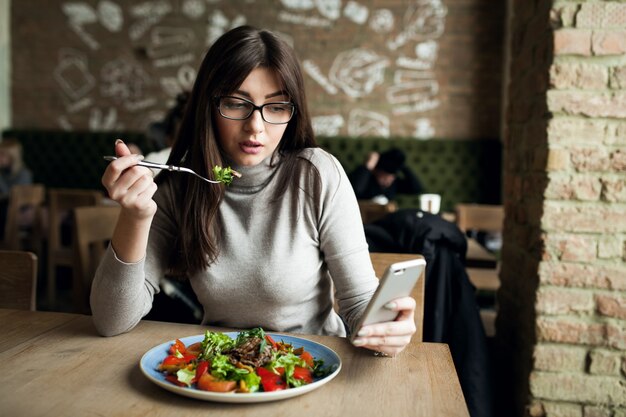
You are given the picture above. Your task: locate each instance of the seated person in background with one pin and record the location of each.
(164, 133)
(12, 172)
(383, 176)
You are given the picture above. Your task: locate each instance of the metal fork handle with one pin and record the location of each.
(155, 165)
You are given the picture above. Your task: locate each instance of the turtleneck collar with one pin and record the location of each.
(253, 177)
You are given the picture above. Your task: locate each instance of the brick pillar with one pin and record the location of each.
(562, 323)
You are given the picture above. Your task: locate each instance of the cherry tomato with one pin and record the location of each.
(303, 374)
(270, 381)
(208, 382)
(178, 346)
(308, 358)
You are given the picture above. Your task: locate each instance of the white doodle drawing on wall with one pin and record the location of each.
(328, 125)
(423, 129)
(186, 77)
(422, 21)
(194, 9)
(134, 106)
(358, 71)
(110, 15)
(367, 123)
(80, 14)
(382, 21)
(356, 12)
(104, 122)
(149, 14)
(412, 86)
(304, 20)
(64, 123)
(218, 24)
(298, 4)
(169, 41)
(426, 55)
(330, 9)
(315, 72)
(79, 105)
(123, 80)
(72, 74)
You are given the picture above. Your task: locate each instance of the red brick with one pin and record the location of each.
(609, 277)
(575, 129)
(571, 330)
(573, 187)
(604, 15)
(611, 305)
(618, 160)
(580, 388)
(590, 104)
(562, 409)
(618, 78)
(584, 217)
(572, 42)
(557, 300)
(608, 42)
(613, 188)
(569, 247)
(589, 158)
(610, 246)
(616, 335)
(563, 15)
(578, 75)
(604, 362)
(558, 357)
(597, 411)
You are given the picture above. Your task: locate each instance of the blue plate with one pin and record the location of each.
(151, 359)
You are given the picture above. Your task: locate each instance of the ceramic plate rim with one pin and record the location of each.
(148, 368)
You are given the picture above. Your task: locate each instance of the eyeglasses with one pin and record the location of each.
(237, 108)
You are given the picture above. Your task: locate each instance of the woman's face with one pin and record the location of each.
(248, 142)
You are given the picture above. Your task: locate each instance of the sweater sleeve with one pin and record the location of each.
(122, 293)
(343, 244)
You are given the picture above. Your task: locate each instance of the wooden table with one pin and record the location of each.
(54, 364)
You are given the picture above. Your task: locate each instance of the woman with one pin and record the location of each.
(260, 252)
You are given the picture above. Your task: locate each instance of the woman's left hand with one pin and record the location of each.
(390, 337)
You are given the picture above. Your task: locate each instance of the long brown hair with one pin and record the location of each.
(226, 65)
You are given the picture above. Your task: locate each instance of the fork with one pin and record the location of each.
(154, 165)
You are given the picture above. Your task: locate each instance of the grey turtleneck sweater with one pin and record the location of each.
(277, 264)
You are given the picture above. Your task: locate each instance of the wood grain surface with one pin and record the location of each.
(55, 364)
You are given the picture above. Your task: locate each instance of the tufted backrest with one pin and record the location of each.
(462, 171)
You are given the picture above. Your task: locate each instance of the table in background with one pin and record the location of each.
(55, 364)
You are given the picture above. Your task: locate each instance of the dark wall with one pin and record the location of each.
(421, 68)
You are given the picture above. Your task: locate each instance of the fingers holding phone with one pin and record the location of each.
(390, 337)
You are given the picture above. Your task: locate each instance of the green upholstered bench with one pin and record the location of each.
(60, 159)
(461, 171)
(466, 171)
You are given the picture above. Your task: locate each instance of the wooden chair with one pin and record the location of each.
(27, 196)
(93, 229)
(485, 274)
(371, 211)
(18, 280)
(381, 261)
(60, 204)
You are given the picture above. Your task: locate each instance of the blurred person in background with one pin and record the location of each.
(383, 176)
(12, 172)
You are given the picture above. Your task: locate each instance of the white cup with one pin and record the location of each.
(430, 203)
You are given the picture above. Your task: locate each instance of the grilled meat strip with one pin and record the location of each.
(249, 353)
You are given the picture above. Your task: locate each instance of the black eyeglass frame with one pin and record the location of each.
(255, 107)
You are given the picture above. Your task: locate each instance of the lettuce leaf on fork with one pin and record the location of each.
(224, 175)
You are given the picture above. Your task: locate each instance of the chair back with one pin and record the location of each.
(20, 197)
(60, 204)
(372, 211)
(93, 229)
(380, 262)
(18, 280)
(483, 217)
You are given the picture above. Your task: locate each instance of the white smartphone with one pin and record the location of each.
(397, 282)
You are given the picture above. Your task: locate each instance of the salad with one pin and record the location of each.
(225, 175)
(252, 362)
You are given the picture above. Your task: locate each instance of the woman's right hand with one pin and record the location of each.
(130, 185)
